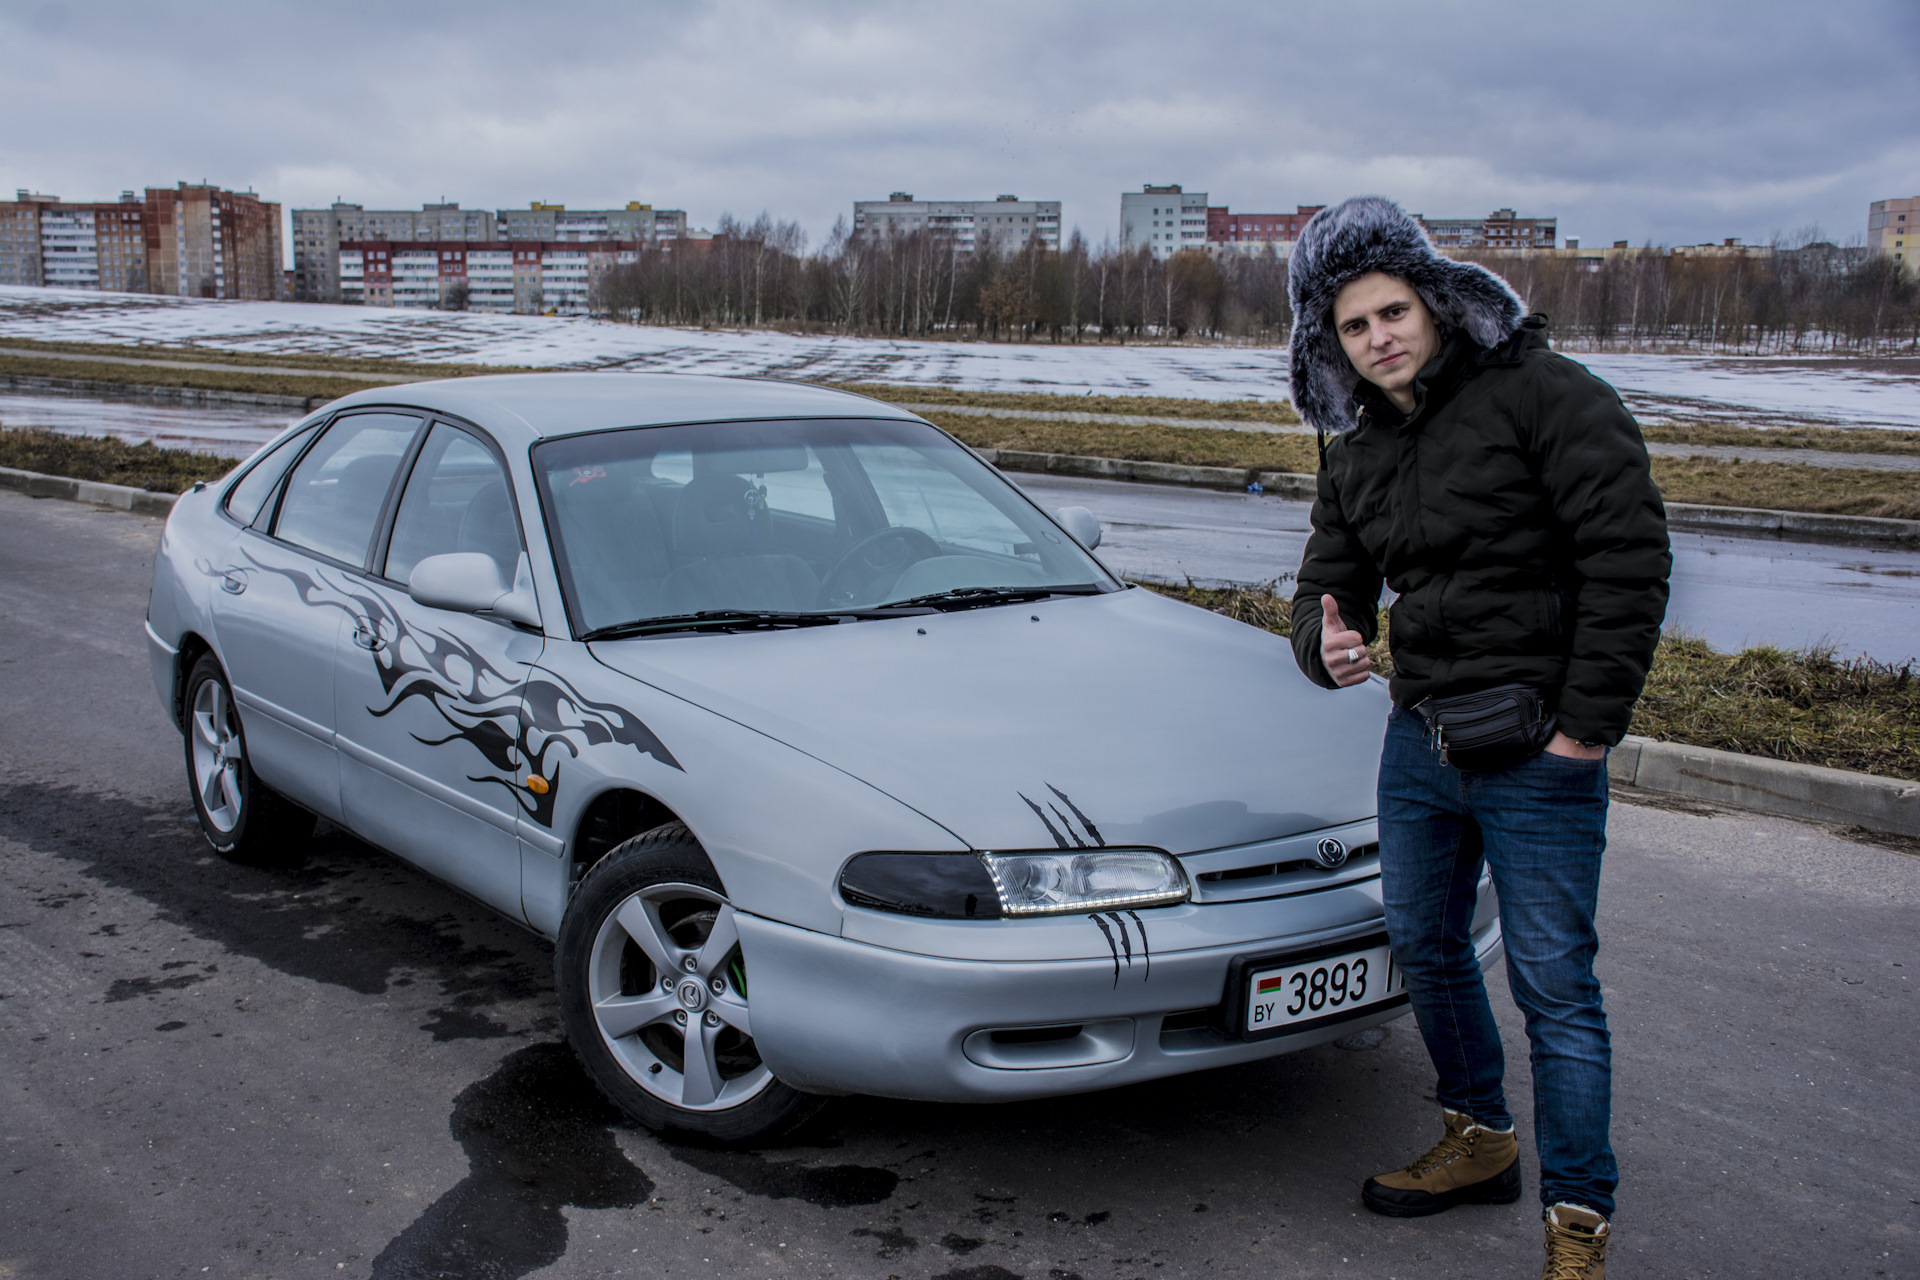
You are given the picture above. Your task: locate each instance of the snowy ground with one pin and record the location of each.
(1757, 391)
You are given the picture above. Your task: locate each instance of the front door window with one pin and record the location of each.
(335, 496)
(456, 500)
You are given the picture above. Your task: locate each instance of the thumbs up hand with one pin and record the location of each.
(1341, 647)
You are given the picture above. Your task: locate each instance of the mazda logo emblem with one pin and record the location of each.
(1331, 853)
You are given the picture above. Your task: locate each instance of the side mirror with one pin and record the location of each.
(1082, 524)
(469, 582)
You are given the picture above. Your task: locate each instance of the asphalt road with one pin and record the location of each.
(348, 1070)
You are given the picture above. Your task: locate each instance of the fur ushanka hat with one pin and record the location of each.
(1346, 241)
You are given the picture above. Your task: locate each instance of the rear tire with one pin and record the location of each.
(650, 974)
(244, 819)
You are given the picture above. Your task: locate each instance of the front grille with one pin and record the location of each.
(1272, 879)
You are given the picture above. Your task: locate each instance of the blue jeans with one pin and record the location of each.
(1541, 828)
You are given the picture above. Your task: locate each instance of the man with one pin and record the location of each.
(1503, 492)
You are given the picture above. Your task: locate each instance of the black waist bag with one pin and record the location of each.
(1489, 729)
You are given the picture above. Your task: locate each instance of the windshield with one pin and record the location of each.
(788, 517)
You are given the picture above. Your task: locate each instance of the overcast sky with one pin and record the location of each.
(1672, 122)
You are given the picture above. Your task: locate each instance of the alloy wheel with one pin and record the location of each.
(668, 989)
(218, 754)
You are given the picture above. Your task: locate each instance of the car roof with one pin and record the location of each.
(521, 408)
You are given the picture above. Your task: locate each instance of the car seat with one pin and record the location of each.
(727, 553)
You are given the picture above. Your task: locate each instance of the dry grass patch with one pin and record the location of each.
(1789, 487)
(146, 375)
(297, 360)
(1146, 406)
(1810, 707)
(1827, 439)
(1190, 446)
(111, 461)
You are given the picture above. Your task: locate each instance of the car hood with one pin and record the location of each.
(1120, 719)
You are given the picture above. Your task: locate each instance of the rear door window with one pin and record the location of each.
(336, 494)
(245, 499)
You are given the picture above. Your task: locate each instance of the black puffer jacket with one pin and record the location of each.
(1513, 513)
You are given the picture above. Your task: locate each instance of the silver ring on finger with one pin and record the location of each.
(1353, 655)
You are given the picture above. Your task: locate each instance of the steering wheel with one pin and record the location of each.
(889, 550)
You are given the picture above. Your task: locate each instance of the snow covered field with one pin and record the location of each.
(1756, 391)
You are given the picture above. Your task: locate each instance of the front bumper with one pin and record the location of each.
(835, 1015)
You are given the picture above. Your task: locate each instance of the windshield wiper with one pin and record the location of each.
(973, 597)
(719, 620)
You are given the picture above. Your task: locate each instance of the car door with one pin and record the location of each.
(428, 701)
(284, 590)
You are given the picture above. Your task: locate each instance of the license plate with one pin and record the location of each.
(1310, 990)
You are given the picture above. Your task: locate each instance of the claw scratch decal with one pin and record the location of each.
(1126, 941)
(1041, 814)
(1146, 954)
(1102, 925)
(1065, 831)
(515, 725)
(1085, 821)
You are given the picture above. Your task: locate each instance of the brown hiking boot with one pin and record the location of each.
(1472, 1165)
(1576, 1244)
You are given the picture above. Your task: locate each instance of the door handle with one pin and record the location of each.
(233, 581)
(367, 639)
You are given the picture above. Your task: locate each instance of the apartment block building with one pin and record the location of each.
(1008, 220)
(320, 237)
(318, 234)
(206, 242)
(1256, 233)
(20, 238)
(639, 223)
(1732, 247)
(1893, 229)
(194, 240)
(496, 275)
(1501, 229)
(48, 241)
(1164, 219)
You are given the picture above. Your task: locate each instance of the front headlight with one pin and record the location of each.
(989, 886)
(1044, 884)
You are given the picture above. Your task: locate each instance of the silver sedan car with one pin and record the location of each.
(829, 762)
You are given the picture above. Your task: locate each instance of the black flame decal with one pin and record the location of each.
(514, 724)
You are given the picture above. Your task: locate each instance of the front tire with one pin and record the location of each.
(244, 820)
(653, 992)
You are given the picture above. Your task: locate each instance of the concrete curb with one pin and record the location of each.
(144, 502)
(1794, 526)
(145, 393)
(1807, 791)
(1737, 522)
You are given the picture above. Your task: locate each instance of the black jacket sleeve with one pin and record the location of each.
(1335, 564)
(1594, 466)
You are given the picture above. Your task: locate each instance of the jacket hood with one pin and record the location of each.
(1348, 240)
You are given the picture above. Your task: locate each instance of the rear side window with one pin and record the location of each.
(455, 500)
(244, 499)
(336, 493)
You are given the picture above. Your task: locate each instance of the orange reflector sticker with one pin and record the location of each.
(537, 784)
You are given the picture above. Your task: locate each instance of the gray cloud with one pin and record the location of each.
(1638, 121)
